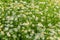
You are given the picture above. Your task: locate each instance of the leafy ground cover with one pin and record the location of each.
(29, 20)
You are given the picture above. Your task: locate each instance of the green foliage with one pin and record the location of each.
(29, 20)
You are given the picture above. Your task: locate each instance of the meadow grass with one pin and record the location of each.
(29, 20)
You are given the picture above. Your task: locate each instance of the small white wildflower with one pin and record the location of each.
(10, 30)
(42, 34)
(19, 35)
(25, 31)
(2, 9)
(33, 16)
(23, 27)
(8, 12)
(56, 1)
(10, 22)
(36, 18)
(29, 30)
(52, 31)
(55, 9)
(1, 3)
(3, 19)
(57, 6)
(11, 25)
(18, 27)
(6, 28)
(27, 36)
(8, 34)
(24, 15)
(36, 6)
(2, 32)
(43, 17)
(22, 11)
(40, 24)
(58, 31)
(27, 23)
(16, 19)
(49, 4)
(42, 20)
(18, 15)
(14, 36)
(37, 36)
(24, 2)
(13, 13)
(16, 1)
(7, 25)
(42, 2)
(33, 25)
(15, 29)
(1, 26)
(10, 17)
(50, 24)
(46, 9)
(51, 38)
(32, 33)
(41, 13)
(58, 23)
(58, 38)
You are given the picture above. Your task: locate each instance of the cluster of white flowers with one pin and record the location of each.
(29, 20)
